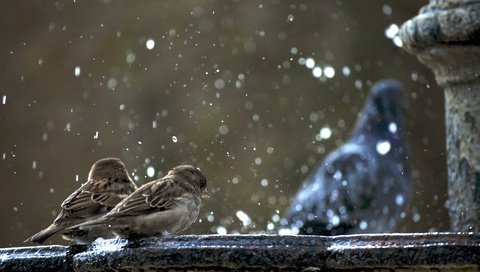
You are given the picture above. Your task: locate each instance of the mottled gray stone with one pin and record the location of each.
(39, 258)
(373, 252)
(273, 252)
(206, 252)
(445, 36)
(443, 22)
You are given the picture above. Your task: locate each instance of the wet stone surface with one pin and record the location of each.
(437, 251)
(39, 258)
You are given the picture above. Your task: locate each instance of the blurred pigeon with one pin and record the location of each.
(108, 183)
(364, 185)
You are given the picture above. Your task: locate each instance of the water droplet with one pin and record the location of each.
(358, 84)
(392, 127)
(397, 41)
(270, 226)
(112, 83)
(223, 129)
(221, 230)
(337, 175)
(77, 71)
(329, 71)
(335, 220)
(242, 216)
(391, 31)
(264, 182)
(383, 147)
(387, 10)
(310, 63)
(150, 171)
(325, 133)
(131, 57)
(317, 72)
(363, 225)
(150, 44)
(219, 84)
(399, 200)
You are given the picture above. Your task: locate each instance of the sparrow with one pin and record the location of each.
(364, 185)
(161, 207)
(108, 183)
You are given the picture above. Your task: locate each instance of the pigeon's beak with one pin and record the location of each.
(205, 194)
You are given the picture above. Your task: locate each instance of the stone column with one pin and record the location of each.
(445, 36)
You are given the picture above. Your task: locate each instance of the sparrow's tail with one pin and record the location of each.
(43, 235)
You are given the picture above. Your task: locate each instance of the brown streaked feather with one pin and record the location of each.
(94, 193)
(160, 195)
(167, 205)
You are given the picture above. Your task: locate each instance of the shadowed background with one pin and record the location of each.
(221, 88)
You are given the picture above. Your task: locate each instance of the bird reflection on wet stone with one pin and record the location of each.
(364, 185)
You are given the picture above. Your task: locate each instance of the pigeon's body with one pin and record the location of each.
(363, 186)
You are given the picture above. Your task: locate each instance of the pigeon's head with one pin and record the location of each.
(383, 114)
(386, 101)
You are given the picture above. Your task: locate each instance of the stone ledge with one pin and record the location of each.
(438, 251)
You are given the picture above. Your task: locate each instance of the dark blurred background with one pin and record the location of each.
(217, 84)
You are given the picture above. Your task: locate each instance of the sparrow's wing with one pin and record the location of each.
(92, 196)
(109, 191)
(160, 195)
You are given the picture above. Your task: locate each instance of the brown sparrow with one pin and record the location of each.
(161, 207)
(108, 183)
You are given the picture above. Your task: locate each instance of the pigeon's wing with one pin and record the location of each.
(350, 180)
(335, 192)
(160, 195)
(92, 197)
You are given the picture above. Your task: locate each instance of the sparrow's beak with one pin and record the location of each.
(205, 194)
